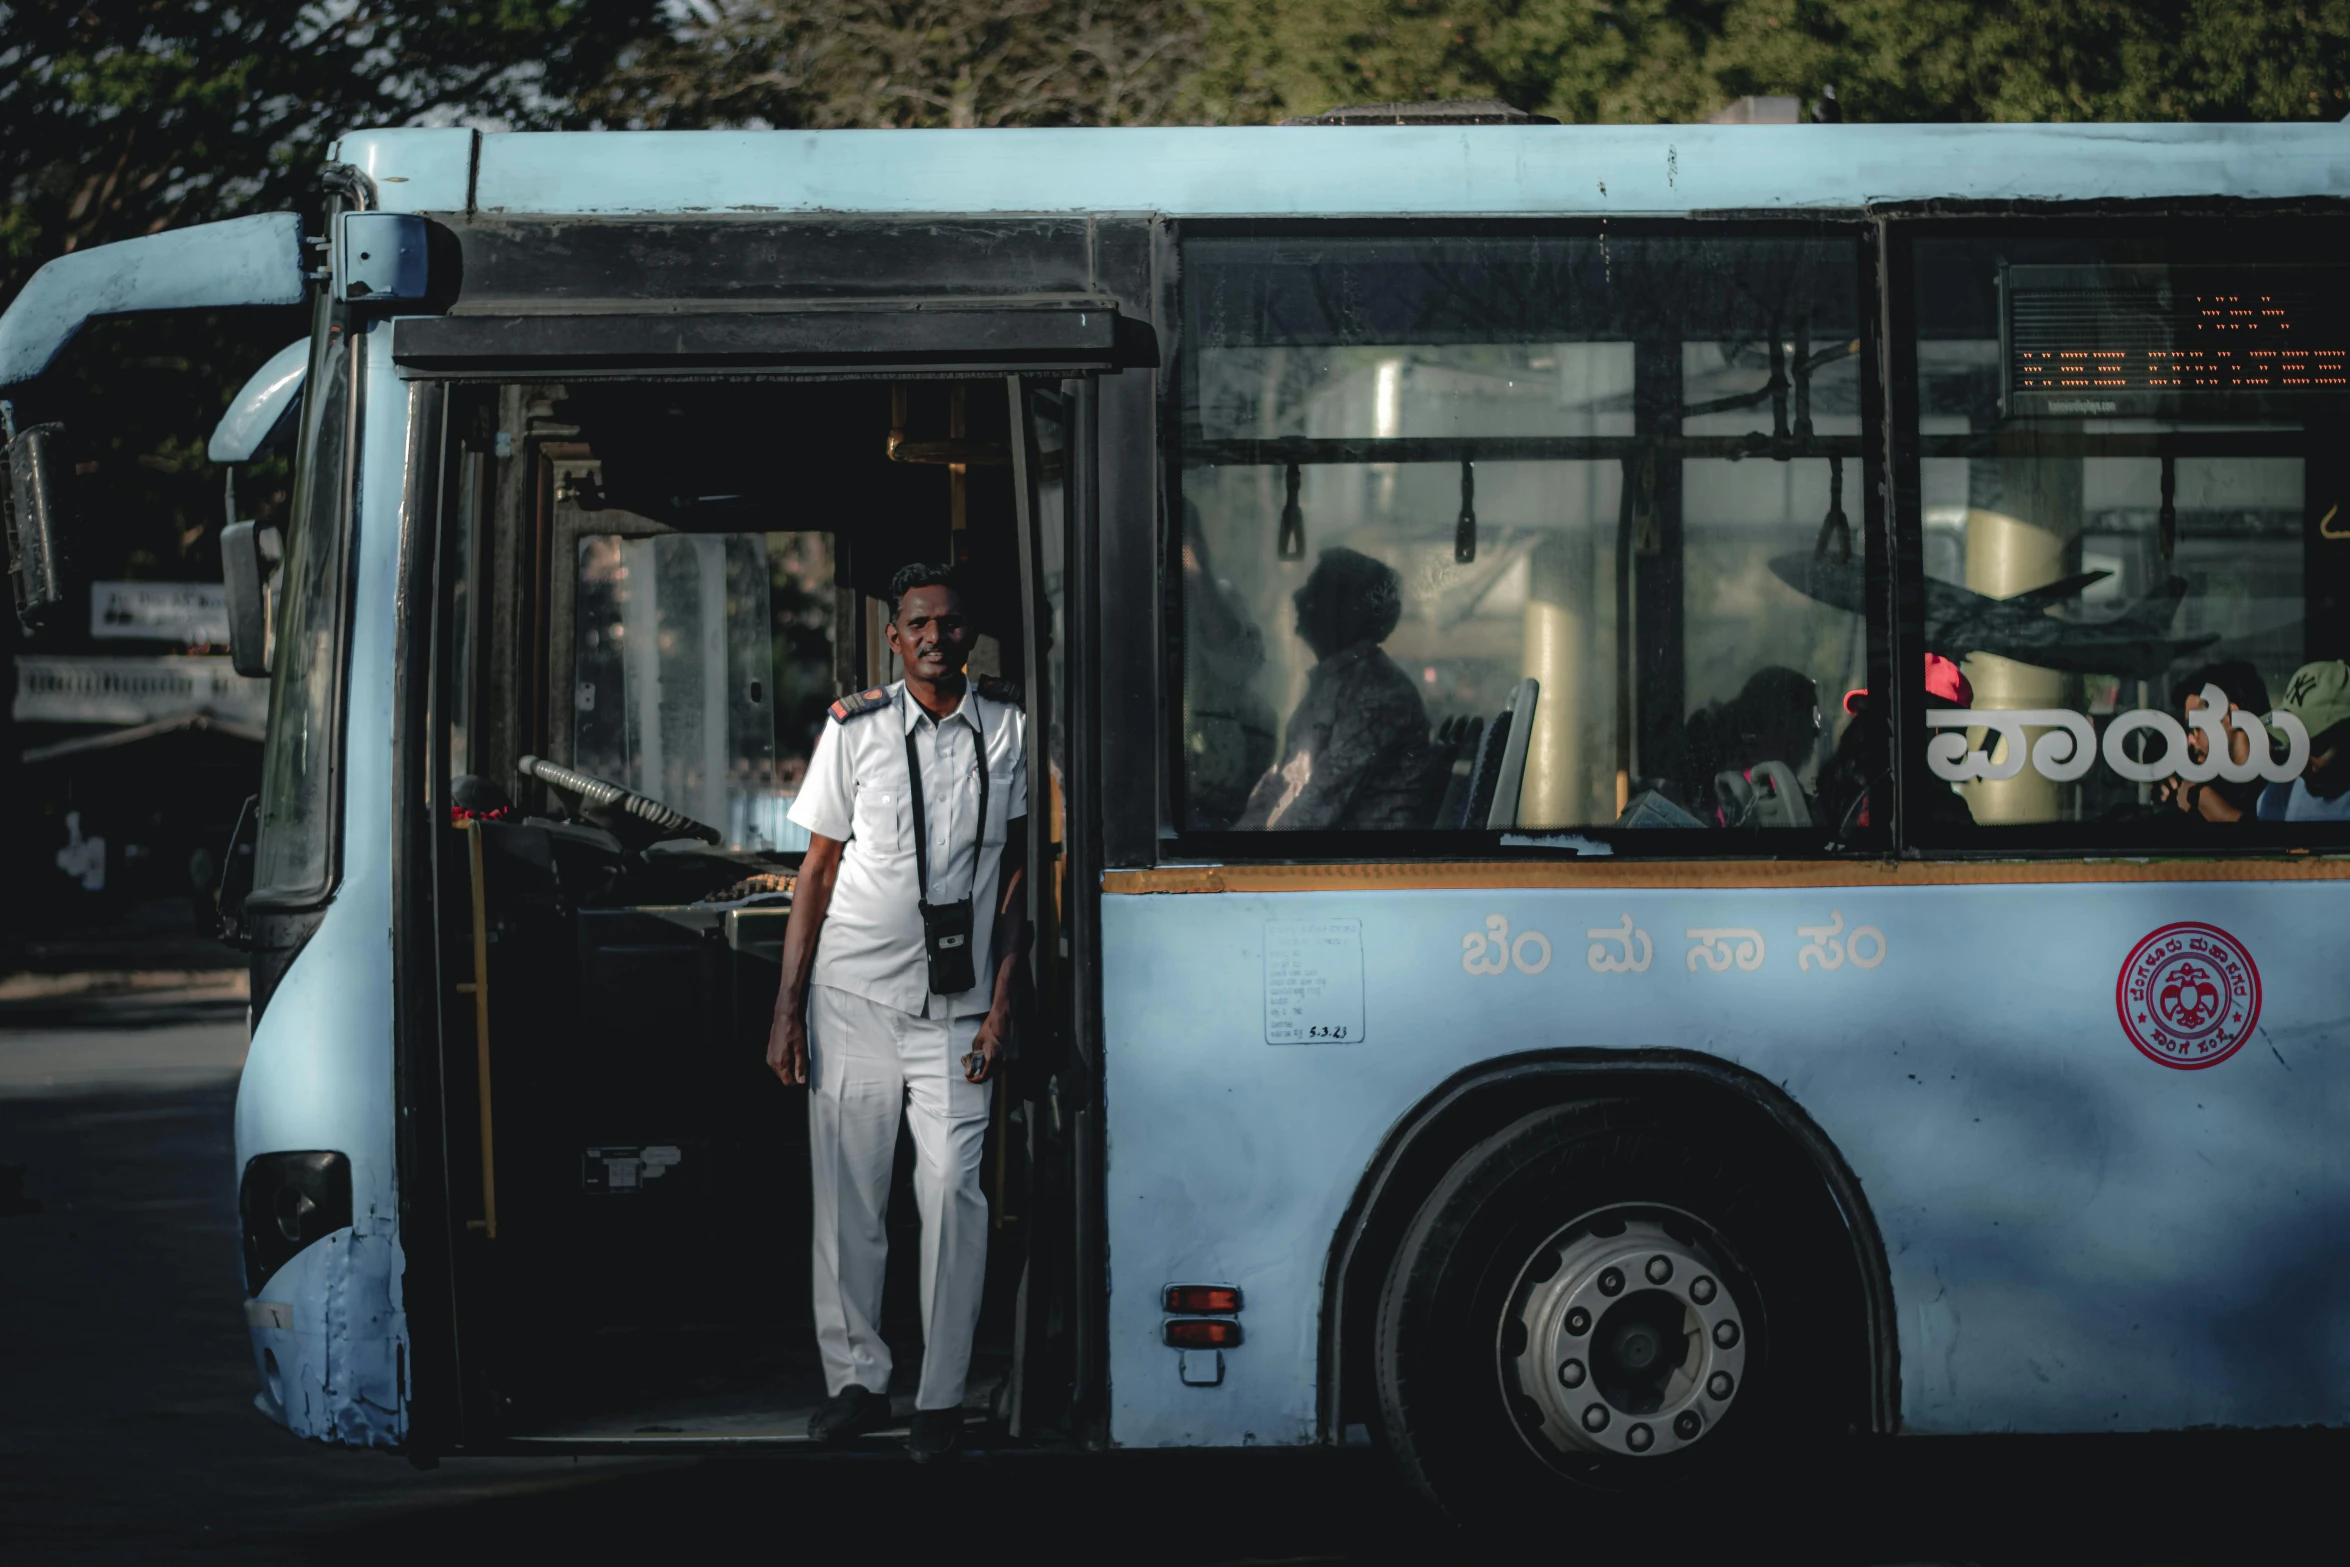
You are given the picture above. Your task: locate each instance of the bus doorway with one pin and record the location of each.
(649, 593)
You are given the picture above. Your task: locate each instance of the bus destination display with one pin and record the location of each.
(2084, 341)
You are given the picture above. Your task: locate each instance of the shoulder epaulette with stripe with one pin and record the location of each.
(996, 689)
(859, 704)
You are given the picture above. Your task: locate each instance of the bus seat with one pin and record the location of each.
(1766, 795)
(1500, 765)
(1452, 766)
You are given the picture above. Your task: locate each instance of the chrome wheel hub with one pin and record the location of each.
(1632, 1344)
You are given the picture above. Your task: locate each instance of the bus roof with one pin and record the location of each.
(1341, 171)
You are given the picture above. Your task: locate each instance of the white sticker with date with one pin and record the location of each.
(1313, 982)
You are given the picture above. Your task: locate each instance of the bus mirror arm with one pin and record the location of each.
(236, 878)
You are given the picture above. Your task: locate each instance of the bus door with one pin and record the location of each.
(652, 580)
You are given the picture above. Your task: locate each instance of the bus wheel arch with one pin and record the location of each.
(1425, 1145)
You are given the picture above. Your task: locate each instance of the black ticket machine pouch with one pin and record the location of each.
(946, 936)
(947, 928)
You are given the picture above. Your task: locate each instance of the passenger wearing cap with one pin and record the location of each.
(1864, 757)
(2319, 696)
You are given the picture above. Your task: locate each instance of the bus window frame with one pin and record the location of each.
(335, 340)
(1179, 844)
(2192, 232)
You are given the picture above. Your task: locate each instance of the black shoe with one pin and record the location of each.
(850, 1412)
(936, 1434)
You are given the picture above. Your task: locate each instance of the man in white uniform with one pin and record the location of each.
(907, 923)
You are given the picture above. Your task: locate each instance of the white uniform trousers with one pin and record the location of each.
(865, 1061)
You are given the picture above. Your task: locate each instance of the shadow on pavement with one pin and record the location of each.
(127, 1433)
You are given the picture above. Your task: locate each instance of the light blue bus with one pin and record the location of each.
(1695, 803)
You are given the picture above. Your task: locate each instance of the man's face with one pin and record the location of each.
(930, 634)
(2199, 743)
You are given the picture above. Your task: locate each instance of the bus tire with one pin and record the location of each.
(1615, 1296)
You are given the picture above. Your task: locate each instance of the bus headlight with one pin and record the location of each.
(286, 1201)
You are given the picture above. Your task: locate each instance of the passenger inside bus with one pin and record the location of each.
(1741, 757)
(2219, 800)
(1855, 784)
(1356, 755)
(2319, 696)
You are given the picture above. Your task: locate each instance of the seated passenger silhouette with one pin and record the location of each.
(1856, 784)
(1356, 753)
(1775, 717)
(2217, 800)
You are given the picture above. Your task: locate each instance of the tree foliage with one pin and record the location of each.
(1891, 60)
(122, 117)
(828, 64)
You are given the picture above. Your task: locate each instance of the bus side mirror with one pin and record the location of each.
(245, 585)
(38, 562)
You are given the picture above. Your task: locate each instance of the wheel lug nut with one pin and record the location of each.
(1639, 1438)
(1659, 1269)
(1726, 1334)
(1595, 1417)
(1686, 1424)
(1578, 1322)
(1571, 1374)
(1611, 1282)
(1718, 1385)
(1701, 1289)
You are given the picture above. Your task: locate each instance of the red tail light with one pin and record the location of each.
(1201, 1333)
(1205, 1299)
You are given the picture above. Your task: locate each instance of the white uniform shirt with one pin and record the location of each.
(857, 790)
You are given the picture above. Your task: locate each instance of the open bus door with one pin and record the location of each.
(1047, 1349)
(638, 576)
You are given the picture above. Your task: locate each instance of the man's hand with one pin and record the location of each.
(787, 1049)
(991, 1043)
(1011, 942)
(787, 1036)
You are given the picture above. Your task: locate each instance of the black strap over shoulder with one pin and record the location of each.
(921, 819)
(949, 930)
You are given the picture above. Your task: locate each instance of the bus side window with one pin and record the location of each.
(1593, 491)
(2116, 556)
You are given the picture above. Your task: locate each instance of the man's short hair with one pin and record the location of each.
(1355, 597)
(2237, 680)
(921, 575)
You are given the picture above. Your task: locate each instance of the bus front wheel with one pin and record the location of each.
(1614, 1296)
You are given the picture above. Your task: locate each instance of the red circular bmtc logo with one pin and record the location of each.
(2189, 995)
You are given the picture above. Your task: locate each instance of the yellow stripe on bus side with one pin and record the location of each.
(1480, 875)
